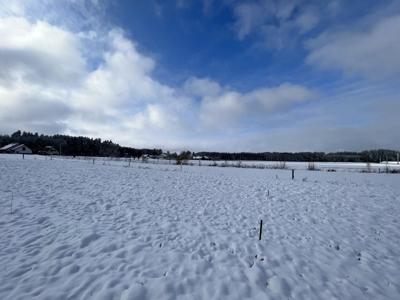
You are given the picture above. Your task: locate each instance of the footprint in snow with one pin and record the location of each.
(89, 239)
(358, 256)
(279, 286)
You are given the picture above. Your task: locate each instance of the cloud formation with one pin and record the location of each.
(276, 22)
(38, 53)
(83, 78)
(372, 52)
(47, 84)
(224, 107)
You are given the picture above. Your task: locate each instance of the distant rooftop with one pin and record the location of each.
(9, 146)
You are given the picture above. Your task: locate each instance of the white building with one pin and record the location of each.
(16, 149)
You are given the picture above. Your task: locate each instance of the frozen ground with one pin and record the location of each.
(301, 165)
(391, 166)
(84, 231)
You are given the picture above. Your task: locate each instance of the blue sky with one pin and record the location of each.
(258, 75)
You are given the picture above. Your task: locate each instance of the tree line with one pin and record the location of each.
(84, 146)
(363, 156)
(74, 145)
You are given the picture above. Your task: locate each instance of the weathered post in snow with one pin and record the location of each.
(259, 237)
(23, 156)
(129, 162)
(292, 174)
(93, 160)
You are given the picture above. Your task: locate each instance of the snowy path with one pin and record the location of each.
(83, 231)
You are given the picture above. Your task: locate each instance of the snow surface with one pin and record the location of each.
(384, 167)
(84, 231)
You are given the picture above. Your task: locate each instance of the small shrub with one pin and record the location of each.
(225, 164)
(311, 166)
(238, 164)
(279, 165)
(181, 161)
(368, 168)
(183, 157)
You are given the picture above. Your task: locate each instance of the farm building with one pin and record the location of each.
(49, 150)
(16, 149)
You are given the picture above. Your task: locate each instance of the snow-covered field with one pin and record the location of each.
(391, 166)
(84, 231)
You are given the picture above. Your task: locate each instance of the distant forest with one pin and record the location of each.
(74, 145)
(364, 156)
(84, 146)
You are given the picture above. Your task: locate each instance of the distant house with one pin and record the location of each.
(198, 157)
(49, 150)
(16, 149)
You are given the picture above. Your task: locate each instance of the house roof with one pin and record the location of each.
(13, 147)
(18, 146)
(10, 146)
(50, 148)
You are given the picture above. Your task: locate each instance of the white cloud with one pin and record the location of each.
(122, 93)
(221, 107)
(356, 122)
(278, 98)
(53, 88)
(39, 53)
(249, 16)
(224, 110)
(39, 65)
(277, 23)
(45, 81)
(28, 106)
(51, 83)
(200, 87)
(307, 20)
(372, 52)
